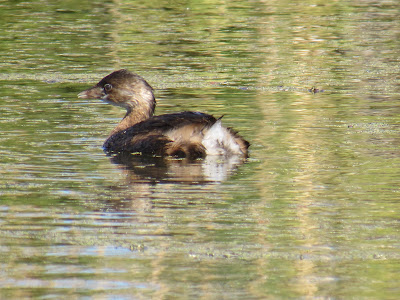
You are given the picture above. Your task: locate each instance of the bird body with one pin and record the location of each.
(185, 134)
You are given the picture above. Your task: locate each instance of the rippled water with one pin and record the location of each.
(314, 211)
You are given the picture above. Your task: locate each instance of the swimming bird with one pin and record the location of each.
(184, 134)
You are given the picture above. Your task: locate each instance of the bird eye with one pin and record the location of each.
(107, 87)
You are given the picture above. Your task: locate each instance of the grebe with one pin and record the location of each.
(185, 134)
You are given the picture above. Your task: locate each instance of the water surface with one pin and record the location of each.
(313, 212)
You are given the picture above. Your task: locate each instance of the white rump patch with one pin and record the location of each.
(218, 140)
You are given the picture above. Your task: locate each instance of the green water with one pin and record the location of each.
(314, 211)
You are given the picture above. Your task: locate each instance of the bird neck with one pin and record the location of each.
(134, 115)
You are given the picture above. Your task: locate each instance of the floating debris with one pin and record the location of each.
(314, 90)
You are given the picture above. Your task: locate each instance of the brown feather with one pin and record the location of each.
(243, 144)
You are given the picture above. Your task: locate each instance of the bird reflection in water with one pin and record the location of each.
(213, 168)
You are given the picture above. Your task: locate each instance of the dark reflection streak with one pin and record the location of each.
(153, 169)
